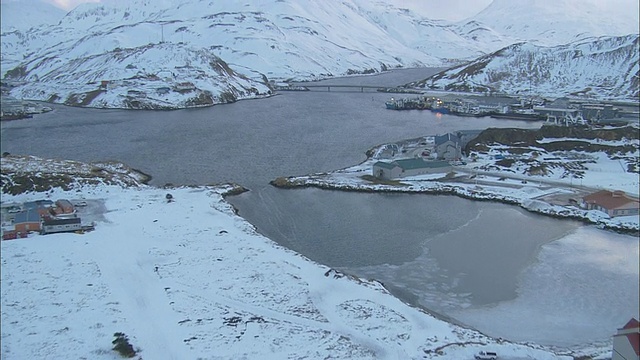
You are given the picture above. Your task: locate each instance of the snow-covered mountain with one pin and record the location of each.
(24, 14)
(18, 20)
(144, 46)
(160, 76)
(229, 50)
(560, 21)
(605, 67)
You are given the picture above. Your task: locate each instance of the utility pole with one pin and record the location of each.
(162, 33)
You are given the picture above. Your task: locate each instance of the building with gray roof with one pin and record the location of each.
(448, 147)
(409, 167)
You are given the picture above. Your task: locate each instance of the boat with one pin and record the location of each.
(441, 110)
(438, 106)
(525, 114)
(418, 103)
(393, 104)
(471, 113)
(518, 116)
(14, 116)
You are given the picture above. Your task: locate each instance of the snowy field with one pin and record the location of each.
(189, 279)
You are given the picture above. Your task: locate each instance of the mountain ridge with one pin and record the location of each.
(277, 40)
(601, 68)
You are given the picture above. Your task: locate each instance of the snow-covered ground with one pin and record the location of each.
(190, 279)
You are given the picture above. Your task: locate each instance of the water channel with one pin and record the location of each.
(502, 270)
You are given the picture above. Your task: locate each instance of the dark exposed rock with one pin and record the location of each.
(528, 137)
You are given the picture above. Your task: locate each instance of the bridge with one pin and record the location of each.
(343, 87)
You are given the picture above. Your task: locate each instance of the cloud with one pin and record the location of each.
(434, 9)
(69, 4)
(452, 10)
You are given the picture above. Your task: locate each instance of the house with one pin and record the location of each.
(613, 203)
(448, 147)
(626, 342)
(63, 207)
(46, 217)
(27, 221)
(386, 171)
(30, 219)
(50, 226)
(409, 167)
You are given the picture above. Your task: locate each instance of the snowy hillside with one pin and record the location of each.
(600, 68)
(19, 20)
(24, 14)
(145, 77)
(132, 44)
(142, 47)
(280, 39)
(560, 21)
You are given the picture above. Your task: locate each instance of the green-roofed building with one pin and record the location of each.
(409, 167)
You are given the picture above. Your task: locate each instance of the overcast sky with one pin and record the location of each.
(433, 9)
(69, 4)
(452, 10)
(444, 9)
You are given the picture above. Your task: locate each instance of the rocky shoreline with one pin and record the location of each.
(439, 188)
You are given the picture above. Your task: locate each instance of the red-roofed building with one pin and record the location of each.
(63, 207)
(613, 203)
(626, 342)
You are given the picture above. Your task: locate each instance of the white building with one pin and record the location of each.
(409, 167)
(626, 342)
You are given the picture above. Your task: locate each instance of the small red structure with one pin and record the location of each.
(626, 343)
(613, 203)
(12, 235)
(63, 207)
(9, 235)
